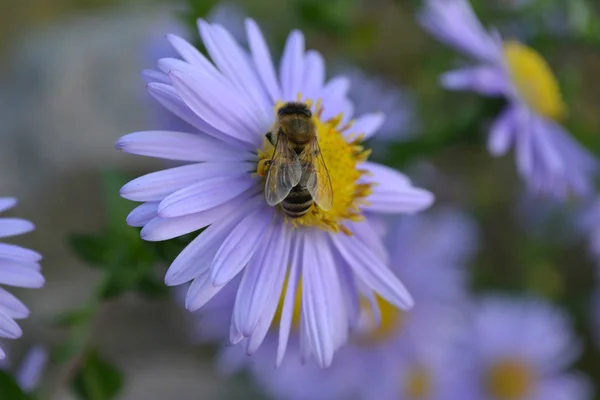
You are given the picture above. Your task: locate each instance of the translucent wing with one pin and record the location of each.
(316, 176)
(285, 172)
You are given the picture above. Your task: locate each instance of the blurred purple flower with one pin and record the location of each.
(29, 372)
(519, 350)
(18, 267)
(232, 103)
(548, 158)
(405, 353)
(371, 94)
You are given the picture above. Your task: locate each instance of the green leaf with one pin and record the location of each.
(91, 248)
(97, 379)
(10, 390)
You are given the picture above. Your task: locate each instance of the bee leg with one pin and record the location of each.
(263, 167)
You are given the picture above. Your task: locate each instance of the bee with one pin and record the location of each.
(297, 175)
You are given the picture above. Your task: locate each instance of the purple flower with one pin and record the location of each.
(372, 94)
(548, 159)
(406, 353)
(519, 350)
(19, 267)
(29, 372)
(231, 102)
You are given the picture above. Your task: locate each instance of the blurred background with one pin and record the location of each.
(70, 87)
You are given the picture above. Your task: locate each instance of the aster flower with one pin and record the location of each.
(548, 159)
(371, 94)
(519, 350)
(29, 371)
(18, 267)
(232, 102)
(391, 354)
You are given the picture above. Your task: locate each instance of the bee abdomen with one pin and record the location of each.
(297, 203)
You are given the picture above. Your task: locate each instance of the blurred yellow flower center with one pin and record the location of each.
(510, 379)
(391, 321)
(342, 156)
(417, 384)
(534, 80)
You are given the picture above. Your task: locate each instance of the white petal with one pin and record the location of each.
(367, 125)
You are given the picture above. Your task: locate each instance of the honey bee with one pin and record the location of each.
(297, 175)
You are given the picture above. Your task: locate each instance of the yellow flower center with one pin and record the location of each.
(417, 384)
(342, 156)
(391, 320)
(510, 379)
(534, 80)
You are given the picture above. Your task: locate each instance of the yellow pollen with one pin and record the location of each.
(534, 80)
(391, 322)
(417, 384)
(510, 379)
(342, 157)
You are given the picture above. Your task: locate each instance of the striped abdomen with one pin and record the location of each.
(298, 202)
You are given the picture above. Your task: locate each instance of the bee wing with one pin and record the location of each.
(285, 172)
(318, 182)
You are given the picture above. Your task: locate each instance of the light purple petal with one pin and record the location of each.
(204, 195)
(12, 306)
(314, 75)
(315, 305)
(234, 63)
(393, 192)
(485, 80)
(291, 69)
(7, 203)
(18, 253)
(158, 185)
(198, 255)
(213, 101)
(267, 271)
(289, 301)
(274, 295)
(168, 97)
(262, 60)
(201, 291)
(502, 133)
(367, 125)
(8, 328)
(333, 96)
(25, 275)
(30, 371)
(236, 250)
(14, 226)
(372, 271)
(142, 214)
(167, 228)
(153, 76)
(178, 146)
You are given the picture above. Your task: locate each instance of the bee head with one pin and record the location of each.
(293, 108)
